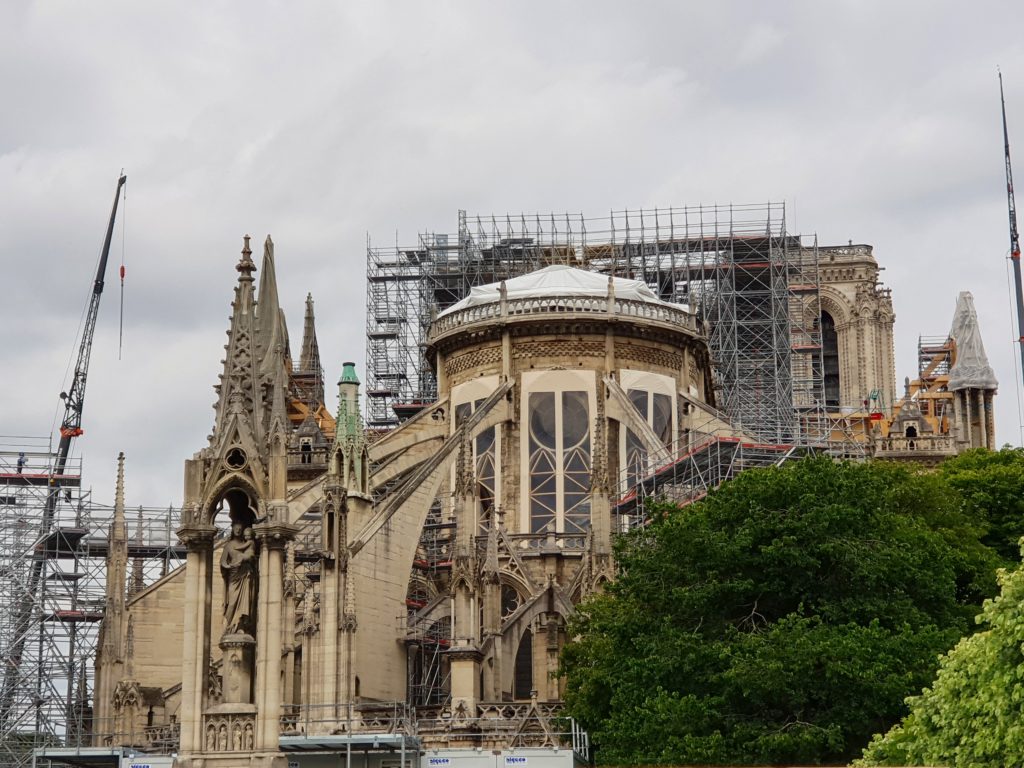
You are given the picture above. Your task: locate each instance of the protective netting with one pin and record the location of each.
(971, 369)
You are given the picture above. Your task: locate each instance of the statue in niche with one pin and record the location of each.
(238, 567)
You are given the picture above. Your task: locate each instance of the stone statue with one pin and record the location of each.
(238, 567)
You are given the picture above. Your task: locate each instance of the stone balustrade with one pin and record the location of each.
(564, 306)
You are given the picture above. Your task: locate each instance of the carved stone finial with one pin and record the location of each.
(245, 265)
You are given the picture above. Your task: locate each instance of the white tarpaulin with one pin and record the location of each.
(971, 370)
(559, 280)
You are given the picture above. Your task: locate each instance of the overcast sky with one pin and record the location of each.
(319, 123)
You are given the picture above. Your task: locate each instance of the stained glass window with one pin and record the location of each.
(484, 462)
(559, 461)
(576, 461)
(543, 462)
(656, 409)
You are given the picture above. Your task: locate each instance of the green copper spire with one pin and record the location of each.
(348, 374)
(349, 421)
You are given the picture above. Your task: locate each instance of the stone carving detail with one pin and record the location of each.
(214, 686)
(691, 372)
(229, 733)
(468, 361)
(649, 356)
(238, 566)
(557, 348)
(126, 694)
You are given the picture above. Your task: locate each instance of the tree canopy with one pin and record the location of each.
(973, 714)
(991, 484)
(784, 618)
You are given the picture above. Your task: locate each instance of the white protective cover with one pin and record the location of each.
(971, 370)
(559, 280)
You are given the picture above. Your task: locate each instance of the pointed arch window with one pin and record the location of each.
(557, 451)
(486, 446)
(652, 395)
(559, 461)
(830, 360)
(523, 674)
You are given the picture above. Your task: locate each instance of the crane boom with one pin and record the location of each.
(74, 398)
(1014, 237)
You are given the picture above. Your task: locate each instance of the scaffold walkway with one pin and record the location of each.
(709, 461)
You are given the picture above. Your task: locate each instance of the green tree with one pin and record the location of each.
(973, 715)
(991, 484)
(783, 619)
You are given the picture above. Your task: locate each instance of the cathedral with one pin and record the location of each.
(401, 595)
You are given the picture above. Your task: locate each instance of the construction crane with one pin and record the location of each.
(74, 398)
(1014, 237)
(70, 428)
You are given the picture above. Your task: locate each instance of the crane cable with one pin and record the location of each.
(124, 217)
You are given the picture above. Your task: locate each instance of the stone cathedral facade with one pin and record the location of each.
(341, 583)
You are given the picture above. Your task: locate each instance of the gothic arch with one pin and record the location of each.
(514, 628)
(225, 485)
(836, 304)
(517, 582)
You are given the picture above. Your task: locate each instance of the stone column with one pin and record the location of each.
(327, 681)
(333, 536)
(273, 538)
(550, 683)
(990, 422)
(288, 627)
(969, 420)
(198, 538)
(958, 421)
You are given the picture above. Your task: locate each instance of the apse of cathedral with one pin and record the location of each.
(398, 592)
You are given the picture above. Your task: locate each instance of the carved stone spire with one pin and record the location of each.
(270, 341)
(117, 567)
(239, 390)
(110, 658)
(310, 359)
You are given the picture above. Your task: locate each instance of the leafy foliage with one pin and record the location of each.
(973, 715)
(991, 484)
(783, 619)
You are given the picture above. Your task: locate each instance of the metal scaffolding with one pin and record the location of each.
(736, 266)
(52, 595)
(428, 621)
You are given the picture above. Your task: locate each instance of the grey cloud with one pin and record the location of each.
(320, 123)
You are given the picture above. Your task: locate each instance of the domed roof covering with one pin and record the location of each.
(559, 280)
